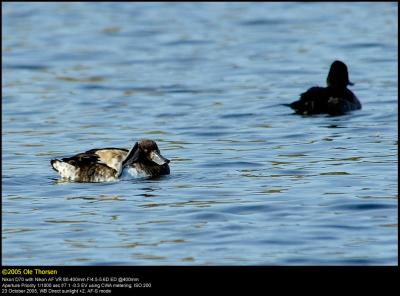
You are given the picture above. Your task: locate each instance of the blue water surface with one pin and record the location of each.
(250, 183)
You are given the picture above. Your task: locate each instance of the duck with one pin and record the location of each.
(335, 99)
(109, 164)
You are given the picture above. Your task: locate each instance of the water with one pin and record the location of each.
(250, 183)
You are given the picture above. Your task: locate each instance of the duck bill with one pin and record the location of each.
(158, 158)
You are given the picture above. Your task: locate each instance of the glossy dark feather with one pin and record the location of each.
(335, 99)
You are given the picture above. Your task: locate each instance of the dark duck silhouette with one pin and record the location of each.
(335, 99)
(109, 164)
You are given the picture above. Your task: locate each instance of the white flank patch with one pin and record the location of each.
(130, 172)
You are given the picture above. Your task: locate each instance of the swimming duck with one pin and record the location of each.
(108, 164)
(335, 99)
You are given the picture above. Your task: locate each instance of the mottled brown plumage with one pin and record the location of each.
(107, 164)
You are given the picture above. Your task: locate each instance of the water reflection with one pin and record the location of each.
(100, 198)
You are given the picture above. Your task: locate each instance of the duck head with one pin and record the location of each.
(338, 76)
(145, 151)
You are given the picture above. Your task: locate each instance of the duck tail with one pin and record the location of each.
(55, 164)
